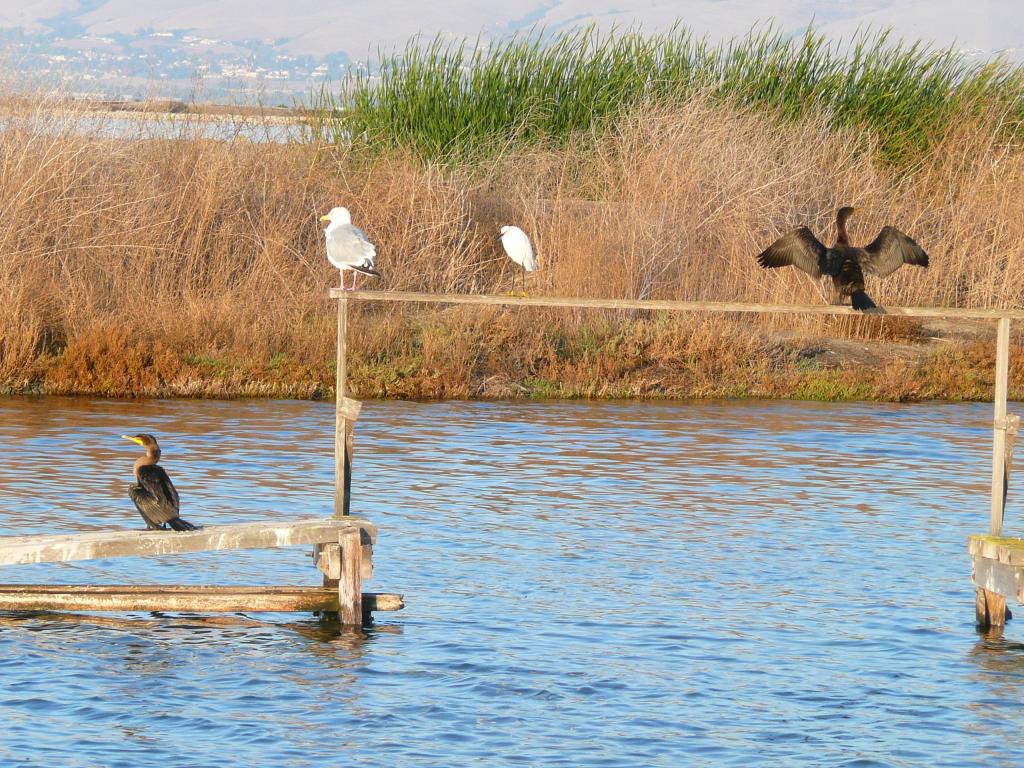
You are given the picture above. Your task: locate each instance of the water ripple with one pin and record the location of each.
(588, 584)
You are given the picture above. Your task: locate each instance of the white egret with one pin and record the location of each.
(348, 247)
(517, 246)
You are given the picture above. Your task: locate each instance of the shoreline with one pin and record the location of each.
(628, 360)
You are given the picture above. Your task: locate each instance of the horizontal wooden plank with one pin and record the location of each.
(672, 306)
(1003, 549)
(1003, 579)
(93, 545)
(243, 599)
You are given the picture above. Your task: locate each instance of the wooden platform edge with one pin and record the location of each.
(94, 545)
(1003, 549)
(197, 599)
(1000, 578)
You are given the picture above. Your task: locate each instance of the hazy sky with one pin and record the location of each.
(358, 27)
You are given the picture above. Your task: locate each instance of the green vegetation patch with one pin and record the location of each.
(459, 100)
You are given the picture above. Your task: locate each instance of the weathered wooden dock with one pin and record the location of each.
(342, 550)
(998, 575)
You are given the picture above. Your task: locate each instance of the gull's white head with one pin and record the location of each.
(339, 215)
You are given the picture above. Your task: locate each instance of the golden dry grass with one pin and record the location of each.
(131, 264)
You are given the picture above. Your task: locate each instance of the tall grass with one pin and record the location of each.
(458, 100)
(134, 263)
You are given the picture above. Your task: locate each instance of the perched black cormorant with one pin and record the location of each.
(153, 492)
(844, 263)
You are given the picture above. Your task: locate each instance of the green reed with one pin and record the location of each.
(456, 100)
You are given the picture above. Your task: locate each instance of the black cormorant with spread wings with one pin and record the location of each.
(153, 492)
(844, 263)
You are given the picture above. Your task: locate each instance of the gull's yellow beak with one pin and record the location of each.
(133, 439)
(325, 218)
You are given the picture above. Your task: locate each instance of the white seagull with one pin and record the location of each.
(517, 246)
(348, 247)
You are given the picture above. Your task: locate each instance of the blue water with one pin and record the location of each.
(610, 584)
(108, 125)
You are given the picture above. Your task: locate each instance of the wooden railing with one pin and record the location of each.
(659, 305)
(1003, 427)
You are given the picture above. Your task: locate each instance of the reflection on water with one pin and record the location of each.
(587, 584)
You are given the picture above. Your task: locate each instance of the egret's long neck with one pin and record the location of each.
(152, 457)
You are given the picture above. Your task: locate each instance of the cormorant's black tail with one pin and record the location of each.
(181, 525)
(861, 301)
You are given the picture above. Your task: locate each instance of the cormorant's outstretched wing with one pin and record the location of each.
(890, 251)
(800, 248)
(155, 496)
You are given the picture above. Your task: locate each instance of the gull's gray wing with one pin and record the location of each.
(348, 246)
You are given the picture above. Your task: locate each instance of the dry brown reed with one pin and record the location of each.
(148, 258)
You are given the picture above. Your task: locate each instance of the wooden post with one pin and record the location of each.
(349, 449)
(980, 608)
(990, 609)
(1012, 430)
(999, 426)
(350, 589)
(342, 459)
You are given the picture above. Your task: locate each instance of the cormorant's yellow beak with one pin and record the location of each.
(133, 439)
(325, 218)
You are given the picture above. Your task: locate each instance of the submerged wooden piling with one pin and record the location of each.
(998, 574)
(997, 571)
(350, 597)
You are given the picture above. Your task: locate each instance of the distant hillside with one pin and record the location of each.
(272, 47)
